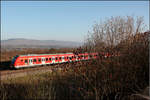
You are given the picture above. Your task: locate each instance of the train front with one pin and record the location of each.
(13, 62)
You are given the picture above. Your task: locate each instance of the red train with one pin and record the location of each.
(21, 61)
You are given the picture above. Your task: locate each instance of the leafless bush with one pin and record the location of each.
(128, 73)
(111, 32)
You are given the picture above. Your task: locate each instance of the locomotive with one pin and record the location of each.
(30, 60)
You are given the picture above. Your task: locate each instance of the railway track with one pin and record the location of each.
(8, 74)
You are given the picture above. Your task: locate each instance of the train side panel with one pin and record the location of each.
(30, 60)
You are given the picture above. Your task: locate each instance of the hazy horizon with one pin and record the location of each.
(40, 39)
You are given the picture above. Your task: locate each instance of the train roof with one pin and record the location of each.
(44, 54)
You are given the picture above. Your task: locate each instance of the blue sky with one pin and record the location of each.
(62, 20)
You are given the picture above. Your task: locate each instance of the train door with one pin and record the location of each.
(43, 60)
(76, 58)
(53, 59)
(63, 59)
(30, 61)
(70, 58)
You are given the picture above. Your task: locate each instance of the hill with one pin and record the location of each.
(31, 43)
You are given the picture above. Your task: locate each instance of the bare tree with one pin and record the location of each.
(113, 31)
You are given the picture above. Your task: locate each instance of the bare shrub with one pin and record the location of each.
(111, 32)
(124, 75)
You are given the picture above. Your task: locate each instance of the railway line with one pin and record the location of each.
(8, 74)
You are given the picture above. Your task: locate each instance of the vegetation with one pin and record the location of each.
(114, 78)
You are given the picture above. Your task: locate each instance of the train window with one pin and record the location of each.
(59, 58)
(34, 60)
(46, 59)
(21, 60)
(70, 58)
(26, 61)
(67, 57)
(49, 59)
(39, 59)
(56, 58)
